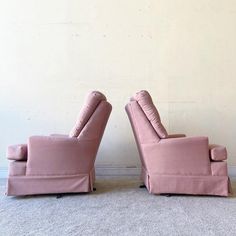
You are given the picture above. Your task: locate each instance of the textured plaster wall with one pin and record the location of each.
(52, 52)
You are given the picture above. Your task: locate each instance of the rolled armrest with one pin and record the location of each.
(217, 152)
(188, 155)
(53, 155)
(17, 152)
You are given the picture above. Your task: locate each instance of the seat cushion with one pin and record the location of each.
(17, 152)
(217, 152)
(145, 101)
(91, 103)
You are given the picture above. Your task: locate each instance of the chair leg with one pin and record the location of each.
(166, 194)
(94, 189)
(142, 186)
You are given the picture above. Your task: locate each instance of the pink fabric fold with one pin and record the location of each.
(91, 103)
(145, 101)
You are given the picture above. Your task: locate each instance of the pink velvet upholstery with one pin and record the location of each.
(60, 163)
(17, 152)
(176, 163)
(145, 101)
(92, 101)
(217, 152)
(17, 168)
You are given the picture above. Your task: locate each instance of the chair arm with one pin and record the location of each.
(217, 152)
(176, 135)
(53, 155)
(188, 155)
(17, 152)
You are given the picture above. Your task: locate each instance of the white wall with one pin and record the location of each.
(52, 52)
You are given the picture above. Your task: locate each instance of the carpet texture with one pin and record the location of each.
(118, 207)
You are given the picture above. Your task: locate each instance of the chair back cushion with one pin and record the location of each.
(90, 105)
(145, 101)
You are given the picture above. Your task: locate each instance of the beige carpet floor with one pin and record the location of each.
(118, 207)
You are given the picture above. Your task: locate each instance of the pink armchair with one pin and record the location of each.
(60, 163)
(175, 163)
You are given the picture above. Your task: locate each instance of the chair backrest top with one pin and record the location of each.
(91, 103)
(144, 100)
